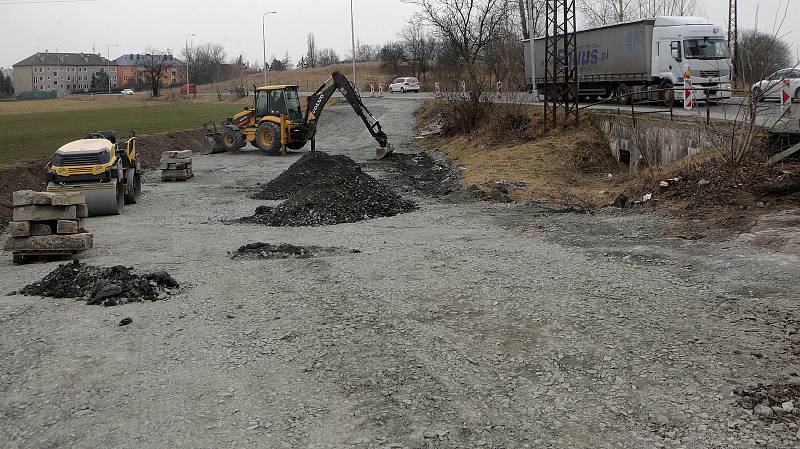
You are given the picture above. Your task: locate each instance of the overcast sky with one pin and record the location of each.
(136, 25)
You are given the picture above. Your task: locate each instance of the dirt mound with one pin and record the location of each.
(285, 251)
(421, 172)
(308, 169)
(344, 194)
(20, 175)
(103, 286)
(151, 146)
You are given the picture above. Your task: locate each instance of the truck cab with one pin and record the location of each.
(696, 46)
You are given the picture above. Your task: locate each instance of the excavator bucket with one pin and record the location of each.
(382, 152)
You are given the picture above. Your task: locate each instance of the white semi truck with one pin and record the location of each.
(640, 57)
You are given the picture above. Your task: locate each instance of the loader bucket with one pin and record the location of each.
(214, 138)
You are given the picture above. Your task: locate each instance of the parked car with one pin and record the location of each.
(771, 87)
(127, 92)
(404, 84)
(189, 88)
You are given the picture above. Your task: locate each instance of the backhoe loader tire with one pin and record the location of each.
(268, 137)
(230, 141)
(132, 193)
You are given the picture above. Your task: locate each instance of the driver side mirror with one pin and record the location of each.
(675, 50)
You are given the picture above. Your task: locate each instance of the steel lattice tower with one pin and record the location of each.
(560, 61)
(733, 36)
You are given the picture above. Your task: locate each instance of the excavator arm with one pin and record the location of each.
(316, 102)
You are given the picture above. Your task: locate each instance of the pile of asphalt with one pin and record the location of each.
(325, 190)
(103, 286)
(261, 250)
(421, 172)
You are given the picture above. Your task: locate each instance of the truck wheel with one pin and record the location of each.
(133, 192)
(667, 96)
(797, 95)
(624, 94)
(268, 137)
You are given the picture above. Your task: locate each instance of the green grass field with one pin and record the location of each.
(33, 134)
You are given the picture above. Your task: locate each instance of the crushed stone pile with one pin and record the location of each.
(261, 250)
(307, 169)
(771, 402)
(338, 192)
(103, 286)
(422, 172)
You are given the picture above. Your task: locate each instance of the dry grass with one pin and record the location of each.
(566, 166)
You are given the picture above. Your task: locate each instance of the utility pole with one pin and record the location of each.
(733, 36)
(353, 43)
(187, 62)
(108, 59)
(264, 41)
(531, 36)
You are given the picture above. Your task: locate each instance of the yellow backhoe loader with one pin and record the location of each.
(276, 120)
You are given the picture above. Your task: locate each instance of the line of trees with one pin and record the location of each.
(6, 86)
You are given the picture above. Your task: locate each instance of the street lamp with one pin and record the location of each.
(264, 40)
(187, 61)
(108, 60)
(353, 43)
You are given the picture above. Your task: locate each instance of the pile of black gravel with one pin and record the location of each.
(103, 286)
(309, 168)
(422, 172)
(326, 190)
(261, 250)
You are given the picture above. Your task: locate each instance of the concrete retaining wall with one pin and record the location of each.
(649, 141)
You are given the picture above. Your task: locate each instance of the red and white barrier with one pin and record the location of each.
(380, 89)
(371, 89)
(688, 92)
(786, 94)
(437, 88)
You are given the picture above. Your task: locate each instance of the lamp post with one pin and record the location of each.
(108, 60)
(187, 61)
(353, 43)
(264, 40)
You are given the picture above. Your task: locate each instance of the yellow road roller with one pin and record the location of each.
(107, 171)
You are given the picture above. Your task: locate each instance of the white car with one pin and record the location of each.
(404, 84)
(127, 92)
(771, 87)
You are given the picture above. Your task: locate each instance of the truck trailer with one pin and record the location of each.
(636, 59)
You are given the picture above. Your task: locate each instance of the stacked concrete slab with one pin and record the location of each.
(47, 224)
(176, 165)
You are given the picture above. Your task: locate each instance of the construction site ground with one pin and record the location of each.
(464, 323)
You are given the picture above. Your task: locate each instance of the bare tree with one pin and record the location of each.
(418, 48)
(206, 63)
(607, 12)
(153, 66)
(311, 51)
(392, 54)
(467, 27)
(760, 54)
(327, 56)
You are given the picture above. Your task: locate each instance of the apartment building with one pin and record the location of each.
(61, 72)
(130, 74)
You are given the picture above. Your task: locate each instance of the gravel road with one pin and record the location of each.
(461, 324)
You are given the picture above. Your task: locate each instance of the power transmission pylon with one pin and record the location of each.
(560, 62)
(733, 36)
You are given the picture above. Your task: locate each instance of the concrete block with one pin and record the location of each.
(81, 211)
(41, 229)
(67, 227)
(19, 228)
(44, 213)
(68, 199)
(184, 154)
(54, 242)
(29, 197)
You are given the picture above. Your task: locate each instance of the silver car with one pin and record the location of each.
(771, 87)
